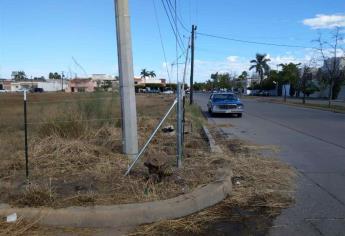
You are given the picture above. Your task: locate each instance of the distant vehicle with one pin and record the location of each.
(153, 91)
(21, 90)
(3, 91)
(37, 90)
(225, 103)
(168, 92)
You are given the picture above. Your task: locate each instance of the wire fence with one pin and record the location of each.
(92, 119)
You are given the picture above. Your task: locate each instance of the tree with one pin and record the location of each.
(152, 74)
(40, 78)
(260, 65)
(19, 75)
(54, 75)
(144, 73)
(306, 84)
(221, 81)
(224, 81)
(243, 76)
(214, 78)
(332, 72)
(289, 74)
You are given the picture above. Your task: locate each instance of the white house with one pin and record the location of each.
(47, 86)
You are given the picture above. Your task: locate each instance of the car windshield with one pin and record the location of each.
(220, 97)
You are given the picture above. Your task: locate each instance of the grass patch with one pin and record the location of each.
(335, 108)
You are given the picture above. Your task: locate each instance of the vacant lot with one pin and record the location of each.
(75, 151)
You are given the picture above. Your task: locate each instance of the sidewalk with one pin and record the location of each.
(322, 104)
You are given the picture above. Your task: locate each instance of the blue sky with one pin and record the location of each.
(39, 36)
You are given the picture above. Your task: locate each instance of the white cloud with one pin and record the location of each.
(322, 21)
(231, 64)
(284, 59)
(232, 58)
(236, 64)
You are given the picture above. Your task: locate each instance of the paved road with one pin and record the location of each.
(313, 141)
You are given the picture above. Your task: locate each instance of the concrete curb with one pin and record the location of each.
(305, 106)
(212, 143)
(131, 214)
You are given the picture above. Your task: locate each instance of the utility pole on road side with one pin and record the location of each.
(194, 27)
(126, 76)
(62, 76)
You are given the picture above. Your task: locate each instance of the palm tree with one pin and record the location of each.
(260, 65)
(144, 73)
(152, 74)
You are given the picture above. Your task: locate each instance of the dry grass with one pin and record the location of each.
(74, 162)
(261, 186)
(32, 228)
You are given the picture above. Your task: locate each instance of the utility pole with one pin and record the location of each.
(126, 76)
(194, 27)
(62, 75)
(179, 125)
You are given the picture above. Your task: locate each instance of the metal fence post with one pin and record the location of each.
(179, 126)
(26, 139)
(151, 137)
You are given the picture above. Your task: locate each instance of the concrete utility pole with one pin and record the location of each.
(194, 27)
(62, 75)
(126, 76)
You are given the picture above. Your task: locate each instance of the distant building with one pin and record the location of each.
(81, 85)
(149, 80)
(148, 83)
(329, 63)
(5, 84)
(47, 86)
(106, 82)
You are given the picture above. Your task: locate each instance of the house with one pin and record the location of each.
(149, 80)
(81, 85)
(148, 83)
(47, 86)
(106, 82)
(5, 84)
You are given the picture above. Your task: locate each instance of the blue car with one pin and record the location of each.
(225, 103)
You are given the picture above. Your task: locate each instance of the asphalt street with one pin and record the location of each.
(312, 141)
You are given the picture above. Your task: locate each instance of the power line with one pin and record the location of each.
(161, 39)
(178, 18)
(174, 16)
(177, 79)
(255, 42)
(180, 43)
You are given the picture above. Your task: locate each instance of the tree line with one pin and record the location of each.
(21, 76)
(304, 79)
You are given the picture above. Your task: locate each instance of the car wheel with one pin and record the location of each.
(239, 115)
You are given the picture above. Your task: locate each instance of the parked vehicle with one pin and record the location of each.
(168, 92)
(153, 91)
(22, 90)
(37, 90)
(225, 103)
